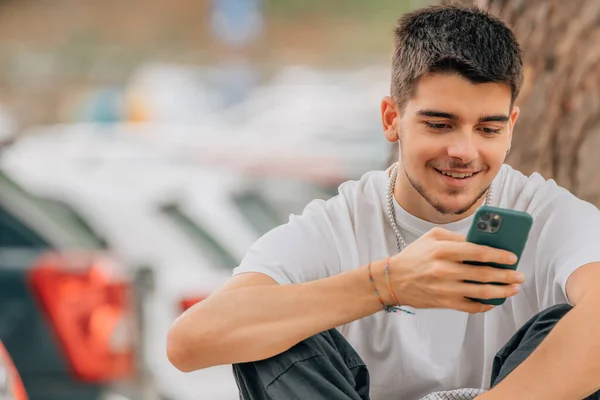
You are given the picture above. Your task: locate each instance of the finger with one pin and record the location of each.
(466, 251)
(472, 307)
(488, 291)
(484, 274)
(446, 235)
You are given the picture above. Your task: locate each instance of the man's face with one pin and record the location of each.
(454, 136)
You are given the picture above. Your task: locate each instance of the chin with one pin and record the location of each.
(456, 206)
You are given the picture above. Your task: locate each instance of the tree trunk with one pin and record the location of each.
(558, 131)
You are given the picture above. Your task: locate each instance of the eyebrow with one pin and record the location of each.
(494, 118)
(445, 115)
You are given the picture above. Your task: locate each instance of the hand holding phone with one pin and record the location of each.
(431, 273)
(502, 229)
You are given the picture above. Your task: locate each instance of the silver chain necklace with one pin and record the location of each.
(391, 212)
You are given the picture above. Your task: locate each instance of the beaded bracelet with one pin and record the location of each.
(388, 309)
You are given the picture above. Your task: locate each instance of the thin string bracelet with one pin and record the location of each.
(389, 286)
(375, 289)
(388, 309)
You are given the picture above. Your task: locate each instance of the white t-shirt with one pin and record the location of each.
(410, 356)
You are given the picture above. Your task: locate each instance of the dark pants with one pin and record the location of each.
(325, 366)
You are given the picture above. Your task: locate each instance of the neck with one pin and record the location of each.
(411, 201)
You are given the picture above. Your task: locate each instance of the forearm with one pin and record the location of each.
(255, 323)
(566, 364)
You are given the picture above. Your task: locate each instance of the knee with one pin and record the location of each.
(554, 313)
(271, 368)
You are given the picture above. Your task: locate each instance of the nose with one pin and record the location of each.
(463, 148)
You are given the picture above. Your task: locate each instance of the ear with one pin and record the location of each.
(389, 116)
(514, 114)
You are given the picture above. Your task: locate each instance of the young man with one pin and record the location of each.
(456, 74)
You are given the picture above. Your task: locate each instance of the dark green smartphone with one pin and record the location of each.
(503, 229)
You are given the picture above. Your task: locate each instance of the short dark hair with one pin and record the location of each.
(457, 39)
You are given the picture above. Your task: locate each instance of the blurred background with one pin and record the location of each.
(146, 144)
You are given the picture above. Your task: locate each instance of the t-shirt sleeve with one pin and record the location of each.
(569, 239)
(300, 251)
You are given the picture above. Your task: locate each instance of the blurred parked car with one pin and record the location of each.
(142, 227)
(67, 310)
(191, 223)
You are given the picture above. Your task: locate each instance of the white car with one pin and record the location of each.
(135, 227)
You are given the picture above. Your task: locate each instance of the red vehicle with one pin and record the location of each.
(11, 386)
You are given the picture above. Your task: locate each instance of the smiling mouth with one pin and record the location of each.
(457, 175)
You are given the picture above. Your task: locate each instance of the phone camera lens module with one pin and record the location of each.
(485, 217)
(482, 226)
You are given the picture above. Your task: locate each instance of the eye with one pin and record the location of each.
(490, 131)
(437, 126)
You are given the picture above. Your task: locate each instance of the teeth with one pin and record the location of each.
(457, 175)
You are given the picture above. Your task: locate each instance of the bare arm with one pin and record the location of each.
(565, 365)
(253, 318)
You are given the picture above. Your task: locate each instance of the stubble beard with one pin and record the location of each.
(437, 204)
